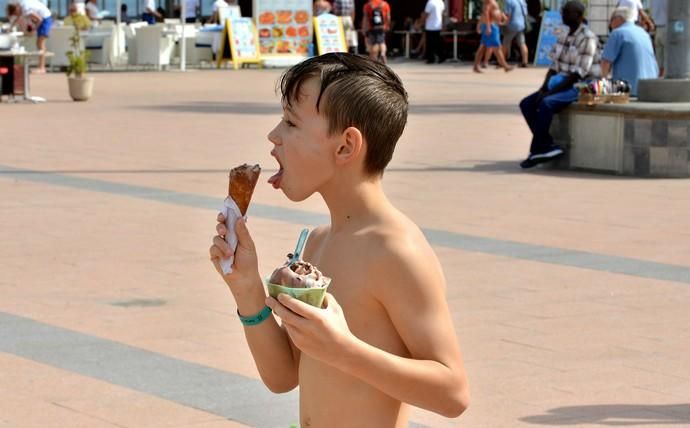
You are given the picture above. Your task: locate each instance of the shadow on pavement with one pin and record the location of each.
(615, 415)
(219, 108)
(274, 108)
(513, 167)
(511, 108)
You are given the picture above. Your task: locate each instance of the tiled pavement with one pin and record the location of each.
(569, 290)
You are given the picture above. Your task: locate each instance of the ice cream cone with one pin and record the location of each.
(243, 179)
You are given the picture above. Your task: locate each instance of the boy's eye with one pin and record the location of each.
(288, 122)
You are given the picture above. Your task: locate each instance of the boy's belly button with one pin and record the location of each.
(306, 422)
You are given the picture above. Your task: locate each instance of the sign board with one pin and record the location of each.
(239, 43)
(284, 26)
(330, 35)
(551, 28)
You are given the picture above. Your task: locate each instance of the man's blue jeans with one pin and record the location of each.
(149, 18)
(539, 117)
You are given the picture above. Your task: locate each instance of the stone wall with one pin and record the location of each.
(636, 139)
(658, 148)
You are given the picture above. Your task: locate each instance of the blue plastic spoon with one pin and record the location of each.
(297, 255)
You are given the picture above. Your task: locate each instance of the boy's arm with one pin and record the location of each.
(274, 355)
(411, 287)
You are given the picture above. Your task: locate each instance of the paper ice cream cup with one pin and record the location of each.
(310, 296)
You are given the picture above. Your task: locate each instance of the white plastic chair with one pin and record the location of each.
(131, 41)
(99, 42)
(202, 50)
(190, 31)
(6, 42)
(152, 47)
(59, 43)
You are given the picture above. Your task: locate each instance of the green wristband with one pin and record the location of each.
(255, 319)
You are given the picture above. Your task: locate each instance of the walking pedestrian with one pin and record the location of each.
(516, 12)
(345, 9)
(659, 10)
(375, 22)
(433, 24)
(32, 15)
(490, 44)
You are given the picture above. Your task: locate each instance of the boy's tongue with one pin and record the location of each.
(275, 179)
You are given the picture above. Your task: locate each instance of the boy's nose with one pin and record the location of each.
(273, 136)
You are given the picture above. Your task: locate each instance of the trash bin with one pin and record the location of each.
(4, 74)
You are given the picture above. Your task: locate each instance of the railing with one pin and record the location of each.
(454, 33)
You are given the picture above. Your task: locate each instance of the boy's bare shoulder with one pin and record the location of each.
(314, 241)
(391, 250)
(400, 252)
(318, 233)
(397, 236)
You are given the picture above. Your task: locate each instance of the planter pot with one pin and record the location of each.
(80, 88)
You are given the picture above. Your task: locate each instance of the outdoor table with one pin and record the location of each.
(25, 57)
(176, 33)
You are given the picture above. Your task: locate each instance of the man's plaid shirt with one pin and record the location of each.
(577, 53)
(343, 7)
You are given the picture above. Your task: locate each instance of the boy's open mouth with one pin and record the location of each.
(277, 177)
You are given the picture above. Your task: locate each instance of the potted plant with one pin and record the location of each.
(80, 86)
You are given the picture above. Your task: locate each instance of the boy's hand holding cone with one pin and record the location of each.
(233, 252)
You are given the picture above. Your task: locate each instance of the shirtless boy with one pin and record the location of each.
(384, 338)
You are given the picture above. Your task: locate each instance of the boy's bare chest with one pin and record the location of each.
(348, 266)
(347, 269)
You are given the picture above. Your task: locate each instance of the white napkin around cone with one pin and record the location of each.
(232, 213)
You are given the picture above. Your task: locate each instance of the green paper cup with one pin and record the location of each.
(311, 296)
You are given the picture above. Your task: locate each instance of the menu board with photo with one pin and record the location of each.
(284, 26)
(243, 38)
(551, 27)
(238, 43)
(330, 36)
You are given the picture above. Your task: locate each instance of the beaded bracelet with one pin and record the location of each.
(255, 319)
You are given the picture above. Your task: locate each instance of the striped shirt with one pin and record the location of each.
(577, 53)
(343, 7)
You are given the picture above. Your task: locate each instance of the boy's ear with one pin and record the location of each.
(350, 146)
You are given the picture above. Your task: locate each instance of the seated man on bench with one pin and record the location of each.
(575, 57)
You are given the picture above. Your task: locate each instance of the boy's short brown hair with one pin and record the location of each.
(358, 92)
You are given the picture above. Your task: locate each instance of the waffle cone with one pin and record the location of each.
(243, 179)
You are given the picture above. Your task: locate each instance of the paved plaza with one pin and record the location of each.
(570, 291)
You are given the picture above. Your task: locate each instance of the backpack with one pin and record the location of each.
(376, 20)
